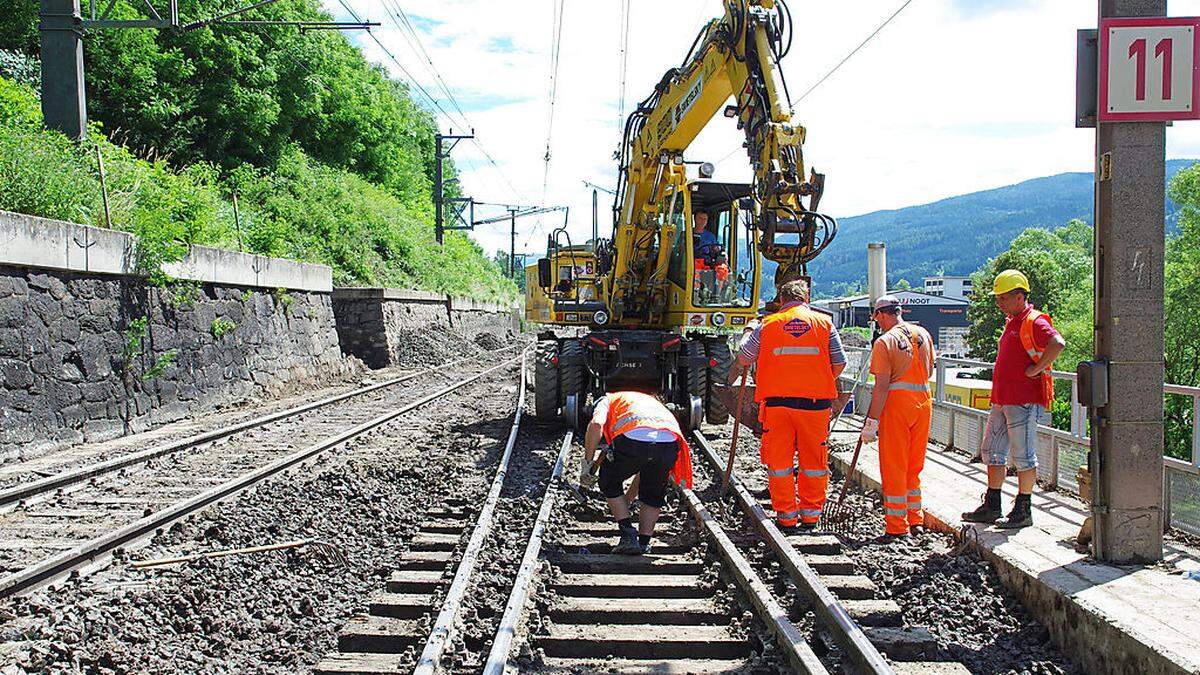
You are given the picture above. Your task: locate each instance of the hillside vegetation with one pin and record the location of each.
(1059, 265)
(957, 235)
(331, 160)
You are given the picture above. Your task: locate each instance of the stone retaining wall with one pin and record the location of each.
(88, 351)
(74, 366)
(377, 324)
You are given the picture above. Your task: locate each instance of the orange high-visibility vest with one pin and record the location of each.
(628, 410)
(1035, 354)
(916, 379)
(793, 356)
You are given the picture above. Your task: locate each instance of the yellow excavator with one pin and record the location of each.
(651, 307)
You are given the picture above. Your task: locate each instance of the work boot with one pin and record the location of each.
(628, 545)
(988, 511)
(1020, 516)
(806, 527)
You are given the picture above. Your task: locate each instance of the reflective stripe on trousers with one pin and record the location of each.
(914, 500)
(894, 506)
(779, 473)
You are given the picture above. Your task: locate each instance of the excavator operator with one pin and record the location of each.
(712, 265)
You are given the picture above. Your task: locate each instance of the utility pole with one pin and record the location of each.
(442, 152)
(512, 241)
(1127, 438)
(64, 105)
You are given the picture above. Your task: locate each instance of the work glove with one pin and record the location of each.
(587, 480)
(870, 431)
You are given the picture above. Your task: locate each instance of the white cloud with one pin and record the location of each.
(943, 101)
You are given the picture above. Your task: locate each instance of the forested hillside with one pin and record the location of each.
(959, 234)
(331, 160)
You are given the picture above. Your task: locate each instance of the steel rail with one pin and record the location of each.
(33, 488)
(443, 626)
(828, 610)
(50, 568)
(515, 609)
(790, 639)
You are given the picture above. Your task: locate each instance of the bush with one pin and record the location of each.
(302, 210)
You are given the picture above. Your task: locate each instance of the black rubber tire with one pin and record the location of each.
(695, 368)
(545, 381)
(572, 371)
(720, 359)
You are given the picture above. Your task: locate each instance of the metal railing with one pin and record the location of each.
(1060, 452)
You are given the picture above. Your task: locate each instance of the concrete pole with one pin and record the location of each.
(64, 104)
(876, 271)
(1127, 441)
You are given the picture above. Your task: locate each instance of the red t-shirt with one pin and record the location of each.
(1010, 385)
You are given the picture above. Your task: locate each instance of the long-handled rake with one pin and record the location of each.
(834, 515)
(737, 423)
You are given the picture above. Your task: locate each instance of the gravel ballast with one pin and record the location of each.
(959, 598)
(275, 612)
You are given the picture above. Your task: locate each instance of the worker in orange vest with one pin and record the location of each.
(900, 413)
(644, 439)
(798, 357)
(1022, 393)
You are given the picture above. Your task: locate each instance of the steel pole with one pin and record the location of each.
(512, 244)
(1127, 441)
(437, 189)
(64, 104)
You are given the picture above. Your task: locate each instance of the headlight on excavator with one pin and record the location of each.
(718, 319)
(600, 317)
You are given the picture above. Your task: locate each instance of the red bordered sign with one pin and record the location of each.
(1149, 69)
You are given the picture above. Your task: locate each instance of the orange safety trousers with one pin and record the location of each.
(796, 439)
(903, 436)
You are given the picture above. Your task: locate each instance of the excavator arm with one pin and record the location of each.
(735, 57)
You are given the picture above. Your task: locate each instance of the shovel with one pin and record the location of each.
(835, 515)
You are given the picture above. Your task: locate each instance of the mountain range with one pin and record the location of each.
(955, 235)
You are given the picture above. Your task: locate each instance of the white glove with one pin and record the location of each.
(870, 430)
(587, 480)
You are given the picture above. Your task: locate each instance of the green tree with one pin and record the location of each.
(1182, 316)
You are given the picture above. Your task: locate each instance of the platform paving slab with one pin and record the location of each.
(1112, 619)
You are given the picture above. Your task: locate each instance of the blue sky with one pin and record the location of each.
(952, 97)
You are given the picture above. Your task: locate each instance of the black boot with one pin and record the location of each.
(1020, 516)
(988, 511)
(628, 545)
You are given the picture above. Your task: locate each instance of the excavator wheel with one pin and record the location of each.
(572, 371)
(720, 360)
(694, 374)
(545, 380)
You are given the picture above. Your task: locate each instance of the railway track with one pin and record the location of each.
(68, 521)
(702, 601)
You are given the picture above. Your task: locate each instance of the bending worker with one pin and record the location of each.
(798, 356)
(1022, 392)
(644, 439)
(900, 413)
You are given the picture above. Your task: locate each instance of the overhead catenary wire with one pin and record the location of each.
(829, 74)
(555, 52)
(433, 101)
(624, 54)
(855, 50)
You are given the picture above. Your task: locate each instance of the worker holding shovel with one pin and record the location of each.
(900, 413)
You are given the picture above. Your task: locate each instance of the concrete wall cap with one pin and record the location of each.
(29, 241)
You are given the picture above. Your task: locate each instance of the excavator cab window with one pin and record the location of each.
(722, 248)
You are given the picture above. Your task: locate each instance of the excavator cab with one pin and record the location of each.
(724, 263)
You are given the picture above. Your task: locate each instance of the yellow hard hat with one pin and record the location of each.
(1009, 280)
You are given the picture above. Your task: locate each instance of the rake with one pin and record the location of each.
(834, 515)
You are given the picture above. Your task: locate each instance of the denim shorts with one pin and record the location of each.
(1011, 435)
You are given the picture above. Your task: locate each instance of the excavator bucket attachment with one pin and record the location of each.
(749, 412)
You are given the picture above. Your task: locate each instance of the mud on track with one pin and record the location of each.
(275, 612)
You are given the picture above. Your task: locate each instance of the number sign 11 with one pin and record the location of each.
(1148, 69)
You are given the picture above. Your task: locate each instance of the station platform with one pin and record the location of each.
(1111, 619)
